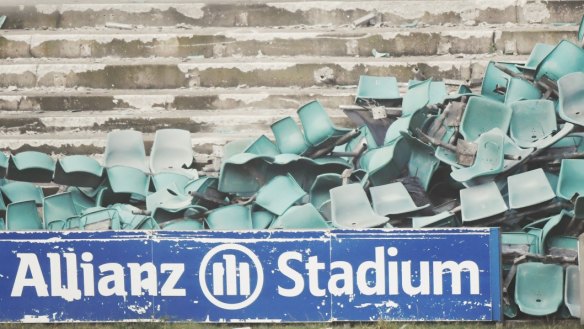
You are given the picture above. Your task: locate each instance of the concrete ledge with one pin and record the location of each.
(286, 13)
(275, 72)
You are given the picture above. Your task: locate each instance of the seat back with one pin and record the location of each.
(22, 216)
(483, 114)
(481, 201)
(533, 297)
(519, 89)
(31, 166)
(494, 79)
(289, 137)
(317, 125)
(57, 209)
(571, 97)
(279, 194)
(22, 191)
(417, 96)
(572, 290)
(529, 188)
(262, 146)
(377, 88)
(531, 121)
(565, 58)
(300, 217)
(350, 208)
(571, 179)
(125, 148)
(232, 217)
(172, 149)
(78, 170)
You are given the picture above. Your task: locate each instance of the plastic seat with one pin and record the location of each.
(78, 170)
(125, 148)
(538, 53)
(31, 166)
(528, 189)
(99, 219)
(172, 149)
(184, 225)
(128, 180)
(22, 191)
(3, 164)
(377, 89)
(565, 58)
(394, 132)
(571, 98)
(519, 89)
(393, 199)
(494, 79)
(565, 246)
(261, 219)
(417, 96)
(163, 180)
(571, 179)
(243, 173)
(305, 170)
(532, 121)
(279, 194)
(167, 198)
(234, 147)
(232, 217)
(80, 200)
(533, 297)
(422, 162)
(572, 290)
(57, 209)
(23, 216)
(443, 219)
(350, 208)
(262, 146)
(483, 114)
(300, 217)
(163, 215)
(386, 163)
(489, 158)
(481, 201)
(319, 191)
(519, 242)
(318, 127)
(289, 137)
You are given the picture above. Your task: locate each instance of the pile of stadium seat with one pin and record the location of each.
(509, 155)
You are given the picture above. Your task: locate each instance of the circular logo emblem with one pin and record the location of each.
(229, 268)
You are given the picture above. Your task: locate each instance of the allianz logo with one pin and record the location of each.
(231, 276)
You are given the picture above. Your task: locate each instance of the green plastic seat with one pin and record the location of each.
(3, 164)
(261, 219)
(23, 216)
(244, 173)
(279, 194)
(483, 114)
(172, 150)
(163, 215)
(519, 242)
(494, 79)
(481, 201)
(168, 198)
(528, 189)
(547, 228)
(350, 208)
(57, 209)
(535, 298)
(443, 219)
(305, 170)
(99, 219)
(319, 191)
(489, 159)
(566, 246)
(417, 96)
(262, 146)
(81, 200)
(538, 53)
(184, 225)
(169, 179)
(125, 148)
(437, 90)
(571, 98)
(128, 180)
(132, 218)
(571, 179)
(289, 137)
(447, 156)
(300, 217)
(394, 132)
(386, 163)
(532, 121)
(234, 147)
(572, 290)
(377, 89)
(232, 217)
(393, 199)
(514, 155)
(422, 162)
(78, 170)
(318, 127)
(31, 166)
(519, 89)
(565, 58)
(22, 191)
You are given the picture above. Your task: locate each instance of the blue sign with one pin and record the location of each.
(261, 276)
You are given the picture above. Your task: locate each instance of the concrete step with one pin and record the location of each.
(168, 73)
(229, 122)
(52, 14)
(59, 99)
(238, 42)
